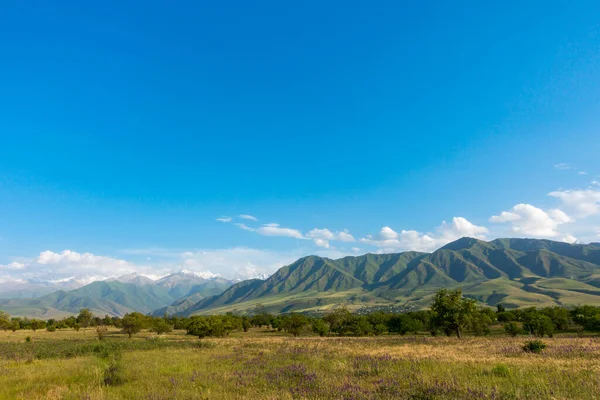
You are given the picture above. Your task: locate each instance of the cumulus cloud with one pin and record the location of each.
(322, 237)
(249, 217)
(569, 239)
(276, 230)
(529, 220)
(389, 240)
(581, 203)
(68, 265)
(13, 266)
(460, 227)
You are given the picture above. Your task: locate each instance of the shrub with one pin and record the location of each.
(500, 370)
(51, 328)
(28, 339)
(513, 329)
(534, 346)
(101, 331)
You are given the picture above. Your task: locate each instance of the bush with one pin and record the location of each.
(534, 346)
(28, 339)
(500, 370)
(513, 329)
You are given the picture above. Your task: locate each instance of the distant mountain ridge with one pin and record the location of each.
(516, 272)
(118, 296)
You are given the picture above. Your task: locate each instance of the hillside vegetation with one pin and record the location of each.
(514, 272)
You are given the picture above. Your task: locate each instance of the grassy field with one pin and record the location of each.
(265, 365)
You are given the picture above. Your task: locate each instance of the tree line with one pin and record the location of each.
(450, 313)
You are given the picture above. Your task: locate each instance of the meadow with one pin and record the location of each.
(266, 364)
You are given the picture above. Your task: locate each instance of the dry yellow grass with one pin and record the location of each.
(262, 366)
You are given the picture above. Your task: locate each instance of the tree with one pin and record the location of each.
(451, 312)
(4, 320)
(358, 326)
(537, 323)
(133, 323)
(199, 326)
(85, 317)
(295, 323)
(513, 329)
(482, 320)
(14, 325)
(320, 327)
(37, 324)
(246, 323)
(160, 326)
(337, 320)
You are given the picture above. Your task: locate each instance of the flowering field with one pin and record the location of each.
(266, 365)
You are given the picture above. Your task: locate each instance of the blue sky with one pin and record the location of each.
(128, 128)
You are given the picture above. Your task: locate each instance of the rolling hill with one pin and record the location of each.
(514, 272)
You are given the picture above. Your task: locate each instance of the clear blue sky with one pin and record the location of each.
(134, 125)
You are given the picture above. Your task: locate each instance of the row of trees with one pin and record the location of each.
(450, 313)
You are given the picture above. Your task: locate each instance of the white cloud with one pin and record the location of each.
(582, 203)
(389, 240)
(68, 265)
(239, 262)
(460, 227)
(582, 173)
(528, 220)
(569, 239)
(14, 266)
(322, 243)
(276, 230)
(563, 166)
(224, 219)
(244, 226)
(246, 216)
(322, 237)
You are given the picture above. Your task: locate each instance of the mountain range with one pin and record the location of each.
(118, 296)
(514, 272)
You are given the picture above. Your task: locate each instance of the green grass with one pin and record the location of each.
(262, 364)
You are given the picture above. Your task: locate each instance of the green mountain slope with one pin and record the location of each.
(115, 297)
(516, 272)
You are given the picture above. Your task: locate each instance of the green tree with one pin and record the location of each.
(337, 320)
(482, 320)
(37, 324)
(4, 320)
(84, 318)
(199, 326)
(246, 324)
(14, 325)
(451, 312)
(513, 328)
(160, 326)
(133, 323)
(320, 327)
(295, 323)
(537, 323)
